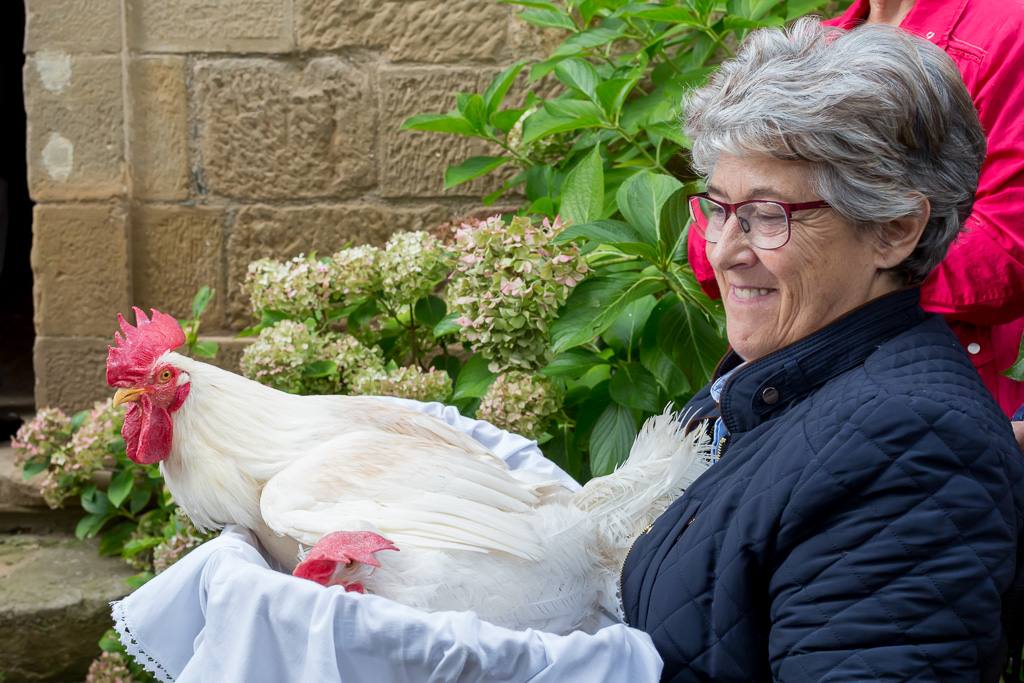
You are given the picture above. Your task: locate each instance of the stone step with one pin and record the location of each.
(54, 595)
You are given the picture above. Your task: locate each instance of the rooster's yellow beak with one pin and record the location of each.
(126, 395)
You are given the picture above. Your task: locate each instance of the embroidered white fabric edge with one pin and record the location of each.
(133, 647)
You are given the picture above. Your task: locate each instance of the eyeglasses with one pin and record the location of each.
(766, 223)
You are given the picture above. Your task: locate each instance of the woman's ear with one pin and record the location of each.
(898, 239)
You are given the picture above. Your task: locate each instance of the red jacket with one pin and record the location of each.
(979, 287)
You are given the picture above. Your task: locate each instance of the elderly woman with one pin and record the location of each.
(862, 519)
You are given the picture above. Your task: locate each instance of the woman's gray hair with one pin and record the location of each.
(883, 117)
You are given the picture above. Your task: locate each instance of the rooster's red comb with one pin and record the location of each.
(131, 358)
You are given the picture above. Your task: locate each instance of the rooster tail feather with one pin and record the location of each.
(662, 463)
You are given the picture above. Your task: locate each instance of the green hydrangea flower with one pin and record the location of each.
(509, 283)
(405, 382)
(284, 354)
(521, 403)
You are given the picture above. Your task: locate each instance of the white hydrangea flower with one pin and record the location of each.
(411, 266)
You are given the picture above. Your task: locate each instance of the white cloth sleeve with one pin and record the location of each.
(520, 453)
(221, 614)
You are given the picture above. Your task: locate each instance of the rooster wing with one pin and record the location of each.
(418, 492)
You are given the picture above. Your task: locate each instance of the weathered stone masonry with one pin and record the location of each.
(171, 142)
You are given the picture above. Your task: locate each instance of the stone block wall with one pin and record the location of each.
(171, 142)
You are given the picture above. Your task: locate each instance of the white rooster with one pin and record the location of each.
(352, 476)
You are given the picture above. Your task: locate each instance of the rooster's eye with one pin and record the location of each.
(164, 376)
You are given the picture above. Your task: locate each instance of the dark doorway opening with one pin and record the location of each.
(16, 328)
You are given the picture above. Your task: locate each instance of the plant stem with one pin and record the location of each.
(414, 342)
(638, 147)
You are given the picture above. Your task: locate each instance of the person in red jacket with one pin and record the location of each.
(979, 287)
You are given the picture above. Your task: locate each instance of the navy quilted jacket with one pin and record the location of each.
(862, 523)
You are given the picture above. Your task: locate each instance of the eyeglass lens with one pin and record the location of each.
(764, 223)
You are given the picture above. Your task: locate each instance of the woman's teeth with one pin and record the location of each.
(749, 292)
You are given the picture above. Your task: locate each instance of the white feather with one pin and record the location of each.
(472, 534)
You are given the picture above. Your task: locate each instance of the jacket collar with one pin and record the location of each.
(933, 20)
(768, 385)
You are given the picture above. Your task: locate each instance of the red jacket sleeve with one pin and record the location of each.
(981, 280)
(695, 249)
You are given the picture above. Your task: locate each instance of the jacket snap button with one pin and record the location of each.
(770, 395)
(974, 348)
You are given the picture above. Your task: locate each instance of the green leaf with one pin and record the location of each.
(641, 199)
(675, 214)
(734, 23)
(671, 132)
(579, 42)
(634, 387)
(78, 419)
(580, 75)
(612, 93)
(675, 15)
(657, 362)
(452, 122)
(137, 581)
(505, 119)
(547, 18)
(140, 545)
(320, 368)
(110, 642)
(1016, 371)
(430, 310)
(88, 526)
(112, 540)
(95, 501)
(583, 191)
(498, 88)
(32, 467)
(611, 439)
(542, 207)
(471, 106)
(471, 168)
(201, 301)
(798, 8)
(139, 497)
(577, 109)
(474, 379)
(626, 330)
(542, 69)
(250, 331)
(120, 487)
(541, 123)
(683, 281)
(538, 4)
(751, 9)
(606, 231)
(272, 317)
(362, 314)
(572, 363)
(447, 325)
(205, 349)
(687, 337)
(594, 305)
(701, 7)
